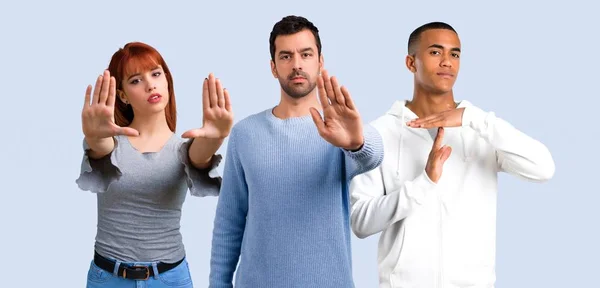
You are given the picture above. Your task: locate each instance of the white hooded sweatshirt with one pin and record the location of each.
(441, 235)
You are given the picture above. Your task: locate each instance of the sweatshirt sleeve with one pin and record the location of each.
(230, 219)
(517, 153)
(369, 156)
(374, 208)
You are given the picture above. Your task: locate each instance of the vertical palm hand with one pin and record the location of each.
(217, 114)
(341, 124)
(98, 116)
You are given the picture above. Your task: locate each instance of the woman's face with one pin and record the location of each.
(147, 91)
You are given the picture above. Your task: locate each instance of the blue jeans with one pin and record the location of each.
(177, 277)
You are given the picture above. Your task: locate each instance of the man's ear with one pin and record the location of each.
(410, 63)
(273, 69)
(321, 62)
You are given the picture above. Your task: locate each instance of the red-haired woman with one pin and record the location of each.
(141, 171)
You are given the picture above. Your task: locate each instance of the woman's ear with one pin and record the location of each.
(122, 96)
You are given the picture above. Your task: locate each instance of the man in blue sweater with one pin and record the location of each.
(283, 210)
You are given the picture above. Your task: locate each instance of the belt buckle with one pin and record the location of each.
(137, 268)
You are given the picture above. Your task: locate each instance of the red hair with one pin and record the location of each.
(136, 57)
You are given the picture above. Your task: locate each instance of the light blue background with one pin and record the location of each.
(534, 64)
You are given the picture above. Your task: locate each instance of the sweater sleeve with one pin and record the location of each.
(230, 219)
(517, 153)
(368, 157)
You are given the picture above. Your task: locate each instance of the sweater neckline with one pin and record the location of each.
(287, 121)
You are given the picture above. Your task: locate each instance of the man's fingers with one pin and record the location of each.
(339, 97)
(419, 121)
(427, 122)
(227, 100)
(347, 98)
(317, 119)
(445, 153)
(328, 87)
(437, 142)
(322, 93)
(439, 156)
(432, 124)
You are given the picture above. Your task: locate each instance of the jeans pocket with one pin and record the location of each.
(97, 274)
(178, 276)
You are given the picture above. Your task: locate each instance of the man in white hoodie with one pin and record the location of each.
(439, 229)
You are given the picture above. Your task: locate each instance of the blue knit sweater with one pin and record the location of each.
(283, 209)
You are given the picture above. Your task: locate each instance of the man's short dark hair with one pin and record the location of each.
(291, 25)
(413, 39)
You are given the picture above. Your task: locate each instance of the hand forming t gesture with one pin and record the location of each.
(341, 124)
(98, 117)
(217, 118)
(449, 118)
(437, 157)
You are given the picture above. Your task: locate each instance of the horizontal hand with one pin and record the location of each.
(450, 118)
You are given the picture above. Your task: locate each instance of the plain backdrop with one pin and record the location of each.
(534, 63)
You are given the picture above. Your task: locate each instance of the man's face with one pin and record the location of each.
(436, 61)
(297, 63)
